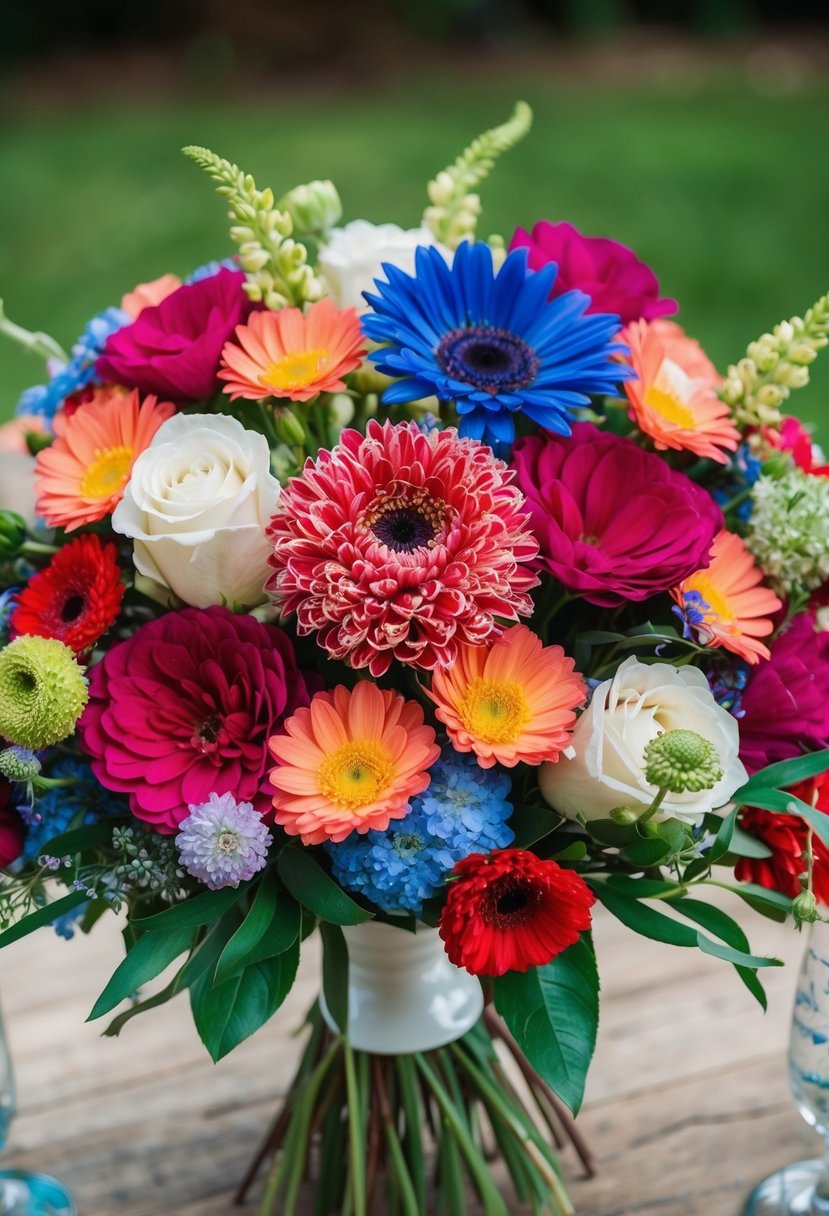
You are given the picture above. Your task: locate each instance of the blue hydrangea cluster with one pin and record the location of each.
(8, 603)
(209, 269)
(86, 802)
(464, 810)
(743, 471)
(46, 399)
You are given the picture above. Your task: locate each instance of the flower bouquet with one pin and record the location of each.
(424, 589)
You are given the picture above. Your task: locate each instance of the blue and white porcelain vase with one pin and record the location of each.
(802, 1189)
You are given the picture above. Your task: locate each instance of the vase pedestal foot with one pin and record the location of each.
(25, 1194)
(789, 1192)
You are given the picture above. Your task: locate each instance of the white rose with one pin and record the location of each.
(197, 505)
(625, 714)
(353, 257)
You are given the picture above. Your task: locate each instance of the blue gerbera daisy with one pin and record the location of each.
(494, 343)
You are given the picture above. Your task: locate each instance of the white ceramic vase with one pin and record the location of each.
(404, 995)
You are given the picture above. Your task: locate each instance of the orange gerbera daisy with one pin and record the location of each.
(81, 477)
(724, 605)
(288, 354)
(350, 762)
(673, 398)
(511, 701)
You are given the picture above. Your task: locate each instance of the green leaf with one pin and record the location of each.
(617, 835)
(762, 897)
(722, 841)
(577, 851)
(314, 889)
(785, 773)
(725, 927)
(335, 973)
(646, 852)
(532, 823)
(553, 1014)
(270, 927)
(79, 839)
(677, 835)
(745, 845)
(43, 916)
(787, 804)
(198, 910)
(227, 1013)
(647, 921)
(151, 954)
(643, 888)
(730, 955)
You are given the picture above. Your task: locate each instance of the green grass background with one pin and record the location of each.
(723, 189)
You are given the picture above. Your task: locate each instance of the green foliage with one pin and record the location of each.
(227, 1013)
(553, 1014)
(270, 927)
(150, 955)
(315, 890)
(43, 916)
(198, 910)
(335, 973)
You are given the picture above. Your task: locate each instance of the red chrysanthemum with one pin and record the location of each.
(786, 836)
(509, 911)
(185, 708)
(76, 598)
(400, 545)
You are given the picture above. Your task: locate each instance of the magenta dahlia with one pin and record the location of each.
(614, 522)
(184, 709)
(399, 545)
(607, 271)
(785, 710)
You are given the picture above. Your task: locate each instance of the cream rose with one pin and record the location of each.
(197, 505)
(353, 257)
(606, 769)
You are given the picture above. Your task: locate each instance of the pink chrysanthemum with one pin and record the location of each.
(399, 545)
(350, 763)
(184, 709)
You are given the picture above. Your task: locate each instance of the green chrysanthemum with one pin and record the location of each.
(42, 692)
(681, 760)
(789, 530)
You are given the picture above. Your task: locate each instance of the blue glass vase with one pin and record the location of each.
(802, 1189)
(22, 1193)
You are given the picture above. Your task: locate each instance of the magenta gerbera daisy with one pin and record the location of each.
(399, 545)
(184, 709)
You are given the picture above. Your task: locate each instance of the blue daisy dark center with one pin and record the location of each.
(407, 520)
(493, 360)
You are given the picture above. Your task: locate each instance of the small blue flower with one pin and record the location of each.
(727, 685)
(209, 269)
(693, 613)
(84, 802)
(742, 472)
(493, 343)
(66, 924)
(464, 810)
(8, 603)
(46, 399)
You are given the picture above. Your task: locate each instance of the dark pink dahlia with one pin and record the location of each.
(610, 273)
(785, 706)
(184, 709)
(399, 545)
(614, 522)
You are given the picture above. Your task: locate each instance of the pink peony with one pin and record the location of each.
(399, 545)
(614, 523)
(174, 348)
(610, 273)
(785, 707)
(184, 709)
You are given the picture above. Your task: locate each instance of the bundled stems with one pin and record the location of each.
(368, 1130)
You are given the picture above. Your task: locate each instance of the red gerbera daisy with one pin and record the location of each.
(786, 836)
(76, 598)
(509, 911)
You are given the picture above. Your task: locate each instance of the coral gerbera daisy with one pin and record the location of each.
(671, 401)
(724, 605)
(511, 701)
(286, 354)
(509, 911)
(491, 342)
(402, 545)
(75, 598)
(350, 762)
(81, 477)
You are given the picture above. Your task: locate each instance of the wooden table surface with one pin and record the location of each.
(687, 1103)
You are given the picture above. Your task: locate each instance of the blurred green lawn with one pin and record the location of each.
(725, 191)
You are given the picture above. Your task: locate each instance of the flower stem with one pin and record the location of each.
(654, 806)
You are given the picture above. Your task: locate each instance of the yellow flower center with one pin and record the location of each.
(670, 406)
(108, 473)
(719, 606)
(296, 370)
(356, 774)
(495, 711)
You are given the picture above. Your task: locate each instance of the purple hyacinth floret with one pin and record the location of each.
(223, 842)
